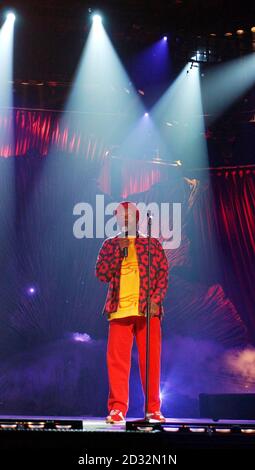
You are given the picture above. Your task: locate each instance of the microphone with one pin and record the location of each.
(125, 232)
(149, 217)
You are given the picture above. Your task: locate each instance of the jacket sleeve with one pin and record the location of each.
(162, 276)
(108, 261)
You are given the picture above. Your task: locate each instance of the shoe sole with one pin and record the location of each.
(115, 422)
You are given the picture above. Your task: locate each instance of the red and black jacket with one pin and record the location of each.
(108, 267)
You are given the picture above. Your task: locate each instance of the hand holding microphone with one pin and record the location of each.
(124, 242)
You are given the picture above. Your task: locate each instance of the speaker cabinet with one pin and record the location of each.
(227, 406)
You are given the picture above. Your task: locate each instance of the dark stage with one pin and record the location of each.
(86, 441)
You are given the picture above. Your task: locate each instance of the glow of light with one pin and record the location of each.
(101, 85)
(6, 76)
(81, 337)
(143, 139)
(165, 38)
(228, 34)
(253, 29)
(225, 84)
(182, 104)
(31, 290)
(239, 32)
(10, 16)
(248, 431)
(97, 20)
(171, 429)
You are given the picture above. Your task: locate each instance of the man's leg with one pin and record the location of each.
(120, 341)
(155, 355)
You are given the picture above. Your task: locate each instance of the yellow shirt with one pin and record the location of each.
(129, 285)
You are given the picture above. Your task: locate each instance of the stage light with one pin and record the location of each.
(248, 431)
(240, 32)
(36, 425)
(223, 430)
(229, 34)
(253, 29)
(6, 76)
(171, 429)
(97, 19)
(10, 16)
(146, 114)
(31, 290)
(81, 337)
(165, 38)
(198, 430)
(177, 108)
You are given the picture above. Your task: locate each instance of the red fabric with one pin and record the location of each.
(140, 176)
(224, 236)
(108, 270)
(120, 341)
(41, 130)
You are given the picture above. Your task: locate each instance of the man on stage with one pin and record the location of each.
(123, 261)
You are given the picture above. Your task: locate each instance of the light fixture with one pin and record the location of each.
(10, 16)
(97, 19)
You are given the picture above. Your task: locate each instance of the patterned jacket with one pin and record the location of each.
(108, 270)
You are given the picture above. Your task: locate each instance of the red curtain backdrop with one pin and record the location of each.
(40, 131)
(224, 215)
(140, 176)
(222, 231)
(225, 236)
(37, 130)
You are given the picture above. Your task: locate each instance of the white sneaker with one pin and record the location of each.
(115, 417)
(156, 417)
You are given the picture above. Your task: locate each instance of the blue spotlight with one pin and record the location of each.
(10, 16)
(165, 38)
(146, 114)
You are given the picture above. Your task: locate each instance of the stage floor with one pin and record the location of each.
(68, 437)
(98, 424)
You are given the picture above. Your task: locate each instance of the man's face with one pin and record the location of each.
(126, 217)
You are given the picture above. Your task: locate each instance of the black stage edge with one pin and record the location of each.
(86, 442)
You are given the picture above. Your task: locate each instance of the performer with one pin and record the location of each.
(122, 261)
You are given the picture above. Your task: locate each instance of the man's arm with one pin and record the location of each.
(162, 276)
(108, 260)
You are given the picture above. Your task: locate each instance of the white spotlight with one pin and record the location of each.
(10, 16)
(97, 19)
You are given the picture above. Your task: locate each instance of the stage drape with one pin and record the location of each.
(224, 230)
(41, 130)
(224, 215)
(221, 230)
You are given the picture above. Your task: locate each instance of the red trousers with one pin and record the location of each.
(120, 342)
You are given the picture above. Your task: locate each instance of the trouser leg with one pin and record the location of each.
(155, 358)
(120, 341)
